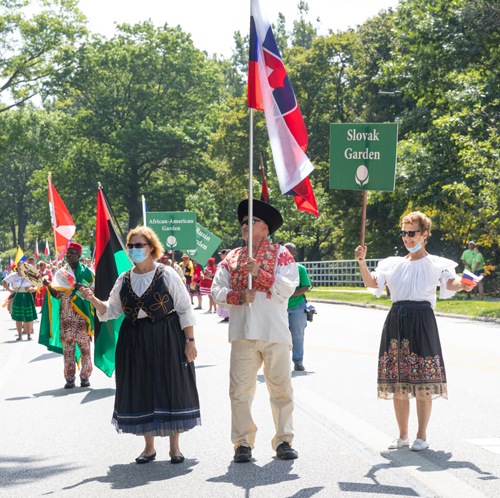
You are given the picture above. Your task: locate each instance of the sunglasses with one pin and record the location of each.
(137, 246)
(410, 233)
(253, 222)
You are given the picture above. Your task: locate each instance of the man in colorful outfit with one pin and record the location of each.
(75, 320)
(259, 334)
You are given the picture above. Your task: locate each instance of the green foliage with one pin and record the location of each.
(33, 49)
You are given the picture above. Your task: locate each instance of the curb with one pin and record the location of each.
(387, 308)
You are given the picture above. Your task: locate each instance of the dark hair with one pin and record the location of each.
(479, 248)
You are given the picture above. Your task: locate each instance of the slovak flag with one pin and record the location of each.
(269, 90)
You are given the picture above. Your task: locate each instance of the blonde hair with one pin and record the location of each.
(152, 239)
(424, 222)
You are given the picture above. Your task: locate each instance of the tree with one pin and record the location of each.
(33, 49)
(147, 102)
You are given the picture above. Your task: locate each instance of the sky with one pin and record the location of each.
(212, 23)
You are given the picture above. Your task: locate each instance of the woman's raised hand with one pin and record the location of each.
(360, 253)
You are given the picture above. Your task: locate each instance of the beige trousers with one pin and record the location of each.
(246, 359)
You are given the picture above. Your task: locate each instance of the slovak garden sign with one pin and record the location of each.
(363, 156)
(176, 230)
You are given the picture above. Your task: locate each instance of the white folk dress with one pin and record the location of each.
(410, 357)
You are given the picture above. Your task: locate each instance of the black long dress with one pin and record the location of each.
(156, 391)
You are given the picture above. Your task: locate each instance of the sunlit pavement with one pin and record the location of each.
(61, 442)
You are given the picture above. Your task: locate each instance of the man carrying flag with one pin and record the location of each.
(66, 313)
(269, 90)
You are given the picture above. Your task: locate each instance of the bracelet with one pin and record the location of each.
(189, 339)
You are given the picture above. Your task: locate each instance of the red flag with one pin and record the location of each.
(47, 250)
(37, 256)
(264, 193)
(63, 225)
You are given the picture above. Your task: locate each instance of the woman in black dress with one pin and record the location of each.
(156, 391)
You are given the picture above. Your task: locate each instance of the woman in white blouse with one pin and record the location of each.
(410, 359)
(156, 391)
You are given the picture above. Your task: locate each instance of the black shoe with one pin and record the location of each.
(146, 459)
(69, 384)
(286, 452)
(176, 459)
(85, 383)
(299, 367)
(242, 454)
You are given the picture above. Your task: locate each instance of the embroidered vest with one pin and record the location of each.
(156, 302)
(266, 257)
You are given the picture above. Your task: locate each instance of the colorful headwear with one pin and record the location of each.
(211, 262)
(77, 247)
(184, 256)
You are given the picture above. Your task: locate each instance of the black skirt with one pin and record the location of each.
(156, 391)
(410, 361)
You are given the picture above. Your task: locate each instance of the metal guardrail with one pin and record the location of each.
(340, 273)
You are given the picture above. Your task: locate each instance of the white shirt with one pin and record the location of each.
(140, 284)
(16, 281)
(415, 280)
(267, 319)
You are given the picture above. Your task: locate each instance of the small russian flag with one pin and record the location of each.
(468, 278)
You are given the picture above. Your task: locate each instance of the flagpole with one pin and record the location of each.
(144, 210)
(250, 200)
(53, 216)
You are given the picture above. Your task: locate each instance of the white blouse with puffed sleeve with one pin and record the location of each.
(415, 280)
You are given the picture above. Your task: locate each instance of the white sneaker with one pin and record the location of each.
(399, 443)
(419, 445)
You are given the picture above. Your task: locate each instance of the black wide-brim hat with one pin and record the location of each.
(264, 211)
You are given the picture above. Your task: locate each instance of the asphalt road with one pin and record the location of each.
(61, 442)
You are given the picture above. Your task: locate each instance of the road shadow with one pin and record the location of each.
(249, 475)
(92, 394)
(46, 356)
(20, 471)
(440, 459)
(304, 373)
(376, 488)
(203, 366)
(131, 475)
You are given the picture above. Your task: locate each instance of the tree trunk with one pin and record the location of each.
(20, 223)
(14, 238)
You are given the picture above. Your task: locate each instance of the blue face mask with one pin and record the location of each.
(416, 248)
(137, 255)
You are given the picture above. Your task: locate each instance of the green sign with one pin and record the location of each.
(207, 243)
(85, 252)
(363, 156)
(44, 257)
(176, 230)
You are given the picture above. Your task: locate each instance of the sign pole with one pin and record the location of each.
(363, 218)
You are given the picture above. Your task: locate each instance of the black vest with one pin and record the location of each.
(156, 302)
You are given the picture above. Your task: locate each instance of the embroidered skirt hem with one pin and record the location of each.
(156, 428)
(421, 392)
